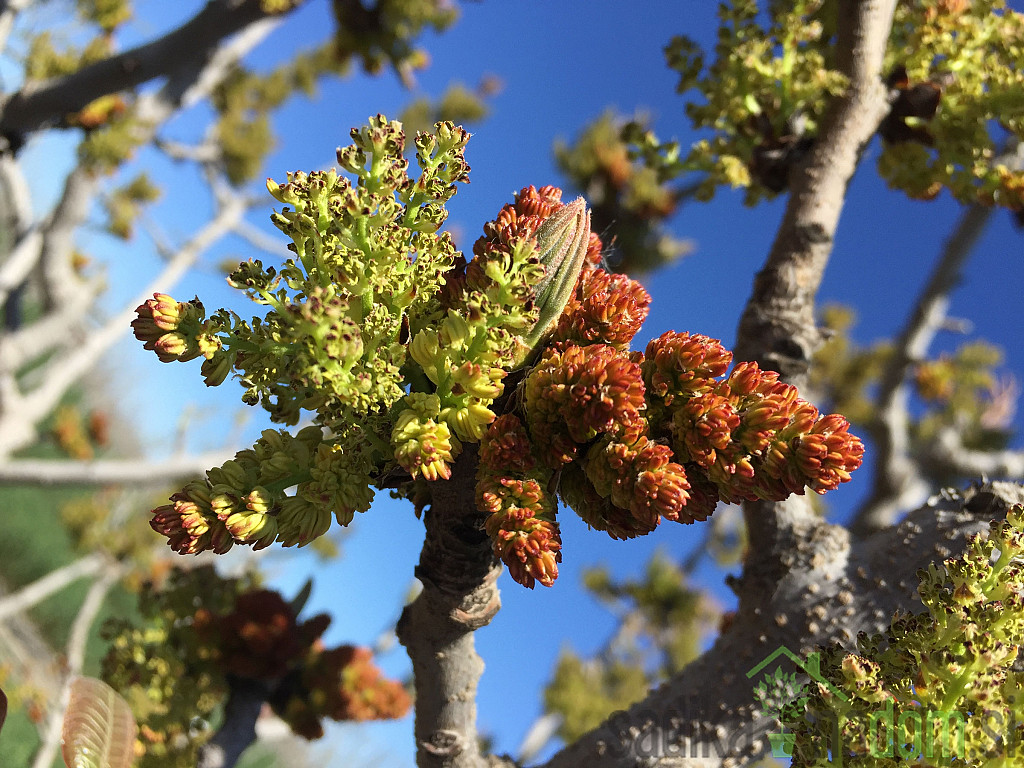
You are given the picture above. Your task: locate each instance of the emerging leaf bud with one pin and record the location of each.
(562, 242)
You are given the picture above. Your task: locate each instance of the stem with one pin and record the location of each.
(458, 571)
(245, 700)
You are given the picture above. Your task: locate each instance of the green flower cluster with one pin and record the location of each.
(147, 662)
(376, 326)
(206, 630)
(956, 89)
(939, 688)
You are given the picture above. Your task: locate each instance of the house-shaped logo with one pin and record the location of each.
(779, 691)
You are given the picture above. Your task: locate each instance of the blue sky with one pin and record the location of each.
(562, 64)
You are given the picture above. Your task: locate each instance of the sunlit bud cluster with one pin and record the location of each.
(955, 665)
(401, 352)
(512, 492)
(174, 330)
(751, 434)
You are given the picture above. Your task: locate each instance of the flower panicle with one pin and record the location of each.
(512, 490)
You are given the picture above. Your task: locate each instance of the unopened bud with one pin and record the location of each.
(562, 242)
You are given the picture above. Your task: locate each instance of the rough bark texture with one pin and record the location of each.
(458, 571)
(836, 587)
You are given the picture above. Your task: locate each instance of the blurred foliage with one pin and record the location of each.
(124, 204)
(961, 391)
(457, 104)
(956, 95)
(629, 200)
(663, 623)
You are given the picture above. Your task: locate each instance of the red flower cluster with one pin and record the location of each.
(752, 434)
(629, 439)
(604, 308)
(261, 639)
(342, 683)
(511, 489)
(576, 393)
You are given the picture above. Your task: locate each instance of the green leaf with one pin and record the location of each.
(99, 730)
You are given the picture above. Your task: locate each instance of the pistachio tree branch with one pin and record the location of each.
(899, 479)
(108, 471)
(238, 730)
(19, 413)
(836, 587)
(458, 572)
(53, 582)
(38, 105)
(947, 453)
(75, 655)
(778, 328)
(23, 412)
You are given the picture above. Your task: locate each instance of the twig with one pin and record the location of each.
(899, 481)
(948, 454)
(75, 659)
(108, 471)
(40, 104)
(458, 571)
(238, 731)
(17, 422)
(704, 716)
(778, 327)
(54, 581)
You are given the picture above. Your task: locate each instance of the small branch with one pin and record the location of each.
(9, 11)
(19, 418)
(75, 659)
(899, 482)
(257, 238)
(108, 471)
(948, 455)
(459, 573)
(46, 103)
(238, 731)
(778, 327)
(54, 581)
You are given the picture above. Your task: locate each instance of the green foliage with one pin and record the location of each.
(957, 662)
(106, 14)
(458, 104)
(956, 93)
(124, 204)
(630, 198)
(384, 33)
(585, 693)
(245, 100)
(149, 659)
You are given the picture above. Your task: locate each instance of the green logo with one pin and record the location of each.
(782, 696)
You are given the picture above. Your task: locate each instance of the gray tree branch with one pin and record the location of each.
(54, 581)
(836, 587)
(42, 104)
(75, 659)
(778, 327)
(458, 571)
(109, 471)
(899, 480)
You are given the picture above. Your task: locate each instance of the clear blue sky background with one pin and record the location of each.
(562, 64)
